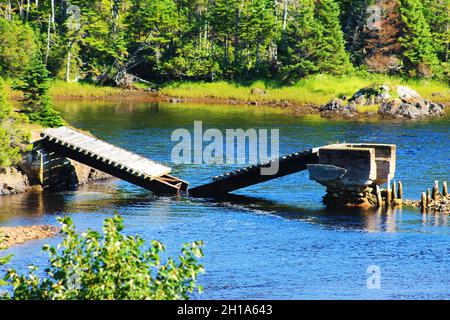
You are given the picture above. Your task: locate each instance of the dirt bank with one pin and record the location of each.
(12, 236)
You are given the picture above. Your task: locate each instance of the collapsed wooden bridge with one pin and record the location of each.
(113, 160)
(339, 166)
(252, 175)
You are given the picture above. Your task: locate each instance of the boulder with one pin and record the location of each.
(407, 93)
(13, 181)
(409, 111)
(333, 105)
(258, 91)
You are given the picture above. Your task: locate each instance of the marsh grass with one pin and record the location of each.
(313, 90)
(61, 89)
(71, 90)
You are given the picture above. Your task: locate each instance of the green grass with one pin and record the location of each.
(62, 89)
(72, 90)
(364, 109)
(314, 90)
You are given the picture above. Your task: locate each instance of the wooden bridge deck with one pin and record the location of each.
(251, 175)
(113, 160)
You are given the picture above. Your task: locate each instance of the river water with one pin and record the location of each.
(270, 241)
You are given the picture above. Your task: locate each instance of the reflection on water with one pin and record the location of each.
(274, 240)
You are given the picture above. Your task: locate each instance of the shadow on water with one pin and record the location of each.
(367, 220)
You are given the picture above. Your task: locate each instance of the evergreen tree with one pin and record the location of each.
(13, 137)
(333, 57)
(299, 53)
(437, 13)
(419, 53)
(36, 100)
(258, 30)
(16, 44)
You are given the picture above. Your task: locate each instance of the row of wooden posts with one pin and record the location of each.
(433, 195)
(394, 195)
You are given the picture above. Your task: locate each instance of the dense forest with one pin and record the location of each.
(118, 41)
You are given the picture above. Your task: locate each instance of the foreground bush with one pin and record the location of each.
(110, 266)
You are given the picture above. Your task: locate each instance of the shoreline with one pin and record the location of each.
(306, 97)
(13, 236)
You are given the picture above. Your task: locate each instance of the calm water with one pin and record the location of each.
(274, 240)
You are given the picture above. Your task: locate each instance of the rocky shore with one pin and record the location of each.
(12, 236)
(401, 103)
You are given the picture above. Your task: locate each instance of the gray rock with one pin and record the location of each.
(436, 109)
(409, 111)
(333, 105)
(351, 107)
(407, 93)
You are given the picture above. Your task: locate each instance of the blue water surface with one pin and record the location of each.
(274, 240)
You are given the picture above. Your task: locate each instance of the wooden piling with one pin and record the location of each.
(428, 199)
(394, 191)
(423, 202)
(388, 198)
(435, 192)
(400, 191)
(444, 189)
(379, 197)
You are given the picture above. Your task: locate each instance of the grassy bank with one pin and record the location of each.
(316, 90)
(75, 90)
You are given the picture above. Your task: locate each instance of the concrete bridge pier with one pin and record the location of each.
(352, 172)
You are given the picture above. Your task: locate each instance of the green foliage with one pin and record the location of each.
(299, 51)
(437, 14)
(36, 100)
(112, 266)
(313, 41)
(3, 261)
(161, 40)
(14, 138)
(17, 45)
(333, 57)
(418, 50)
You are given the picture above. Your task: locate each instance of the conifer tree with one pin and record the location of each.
(298, 51)
(437, 13)
(333, 57)
(419, 53)
(13, 137)
(36, 100)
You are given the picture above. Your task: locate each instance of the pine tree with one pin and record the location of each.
(257, 32)
(419, 53)
(437, 13)
(13, 137)
(334, 59)
(36, 100)
(298, 52)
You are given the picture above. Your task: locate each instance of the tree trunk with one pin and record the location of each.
(69, 57)
(285, 14)
(53, 14)
(236, 37)
(47, 51)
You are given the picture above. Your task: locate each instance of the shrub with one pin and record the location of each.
(92, 266)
